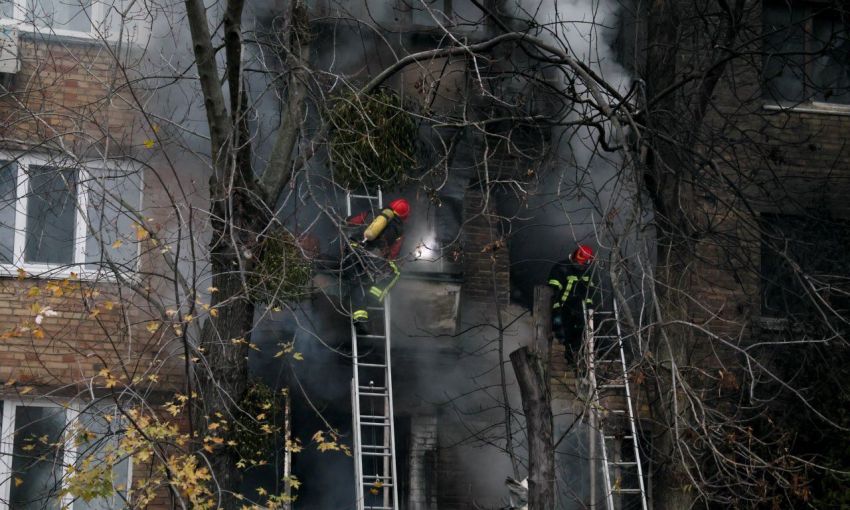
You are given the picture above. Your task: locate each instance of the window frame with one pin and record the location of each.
(19, 16)
(811, 7)
(79, 266)
(73, 411)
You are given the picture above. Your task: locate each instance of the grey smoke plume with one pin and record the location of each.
(583, 185)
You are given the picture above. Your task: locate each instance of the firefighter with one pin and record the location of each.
(573, 290)
(376, 247)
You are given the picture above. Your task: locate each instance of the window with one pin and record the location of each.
(57, 217)
(806, 52)
(36, 450)
(804, 266)
(61, 17)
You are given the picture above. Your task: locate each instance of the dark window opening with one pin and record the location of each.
(805, 269)
(806, 52)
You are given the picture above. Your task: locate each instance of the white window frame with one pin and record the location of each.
(78, 266)
(7, 444)
(19, 16)
(69, 454)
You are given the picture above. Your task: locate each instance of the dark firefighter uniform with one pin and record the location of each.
(375, 249)
(573, 290)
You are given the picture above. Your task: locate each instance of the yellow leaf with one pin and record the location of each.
(213, 313)
(108, 305)
(212, 290)
(152, 327)
(188, 317)
(149, 143)
(33, 292)
(10, 382)
(141, 233)
(18, 481)
(94, 314)
(26, 389)
(153, 378)
(21, 274)
(38, 333)
(297, 356)
(117, 244)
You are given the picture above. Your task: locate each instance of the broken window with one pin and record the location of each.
(804, 267)
(806, 52)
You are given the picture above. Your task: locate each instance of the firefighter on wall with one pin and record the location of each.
(376, 246)
(573, 289)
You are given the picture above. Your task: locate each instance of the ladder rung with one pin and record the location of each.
(372, 417)
(622, 463)
(619, 437)
(367, 424)
(379, 388)
(367, 507)
(376, 477)
(372, 394)
(371, 336)
(375, 454)
(364, 196)
(604, 337)
(610, 386)
(627, 491)
(372, 485)
(371, 365)
(377, 446)
(375, 308)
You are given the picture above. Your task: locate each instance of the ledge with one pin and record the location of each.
(771, 323)
(434, 276)
(810, 107)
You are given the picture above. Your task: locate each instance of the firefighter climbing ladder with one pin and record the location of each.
(613, 415)
(372, 398)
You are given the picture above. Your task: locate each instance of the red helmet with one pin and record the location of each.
(583, 254)
(401, 208)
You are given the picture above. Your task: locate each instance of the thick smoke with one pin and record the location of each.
(582, 187)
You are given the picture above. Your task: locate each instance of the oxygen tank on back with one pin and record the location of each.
(378, 225)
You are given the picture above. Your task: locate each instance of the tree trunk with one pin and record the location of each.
(532, 380)
(532, 371)
(222, 375)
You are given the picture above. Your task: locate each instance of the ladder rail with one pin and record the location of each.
(629, 412)
(389, 399)
(594, 389)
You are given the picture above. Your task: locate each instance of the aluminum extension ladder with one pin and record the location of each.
(612, 412)
(372, 398)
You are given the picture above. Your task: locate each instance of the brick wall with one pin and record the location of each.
(485, 255)
(59, 334)
(70, 95)
(422, 463)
